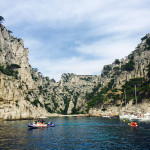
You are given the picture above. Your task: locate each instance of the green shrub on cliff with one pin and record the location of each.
(1, 19)
(97, 98)
(36, 102)
(107, 68)
(10, 32)
(148, 41)
(128, 66)
(48, 108)
(110, 84)
(148, 69)
(66, 102)
(14, 66)
(117, 61)
(143, 38)
(89, 96)
(9, 70)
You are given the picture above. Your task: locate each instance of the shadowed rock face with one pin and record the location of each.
(25, 93)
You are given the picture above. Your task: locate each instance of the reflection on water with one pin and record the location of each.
(75, 133)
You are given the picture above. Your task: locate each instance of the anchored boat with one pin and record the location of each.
(40, 125)
(133, 124)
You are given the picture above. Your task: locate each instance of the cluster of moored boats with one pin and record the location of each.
(135, 117)
(138, 116)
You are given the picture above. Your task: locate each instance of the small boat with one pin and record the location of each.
(144, 117)
(133, 124)
(106, 116)
(40, 125)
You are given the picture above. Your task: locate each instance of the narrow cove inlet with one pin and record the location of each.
(75, 133)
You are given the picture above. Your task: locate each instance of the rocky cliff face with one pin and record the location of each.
(140, 56)
(15, 79)
(120, 72)
(25, 93)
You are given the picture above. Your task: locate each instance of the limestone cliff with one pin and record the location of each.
(125, 74)
(25, 93)
(141, 58)
(16, 79)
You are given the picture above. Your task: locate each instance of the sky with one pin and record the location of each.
(76, 36)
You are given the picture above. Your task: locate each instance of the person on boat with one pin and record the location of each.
(42, 121)
(38, 121)
(33, 122)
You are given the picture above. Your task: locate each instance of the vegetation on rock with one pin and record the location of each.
(10, 70)
(128, 66)
(1, 19)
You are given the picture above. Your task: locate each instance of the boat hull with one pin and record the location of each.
(40, 126)
(133, 124)
(124, 116)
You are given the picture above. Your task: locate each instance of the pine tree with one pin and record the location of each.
(1, 19)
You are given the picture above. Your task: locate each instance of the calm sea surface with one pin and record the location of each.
(72, 133)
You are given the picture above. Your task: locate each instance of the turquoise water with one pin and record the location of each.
(75, 133)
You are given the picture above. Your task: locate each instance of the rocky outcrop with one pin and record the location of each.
(141, 58)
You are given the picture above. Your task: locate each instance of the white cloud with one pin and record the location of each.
(71, 12)
(110, 48)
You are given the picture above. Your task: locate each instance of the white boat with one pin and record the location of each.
(133, 117)
(107, 116)
(125, 115)
(144, 117)
(140, 116)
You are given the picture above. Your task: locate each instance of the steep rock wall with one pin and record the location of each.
(118, 76)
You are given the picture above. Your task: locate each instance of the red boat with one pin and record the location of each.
(133, 124)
